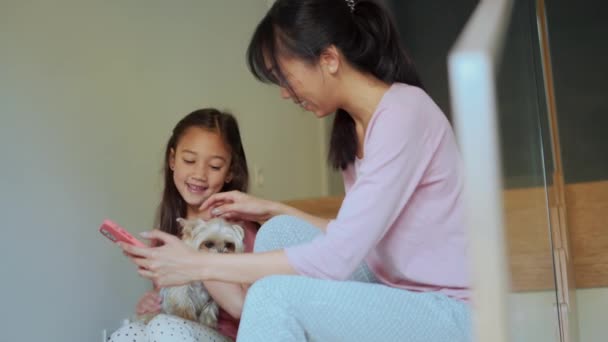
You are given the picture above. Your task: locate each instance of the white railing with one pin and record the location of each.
(472, 65)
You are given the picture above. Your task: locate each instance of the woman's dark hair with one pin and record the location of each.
(172, 205)
(365, 35)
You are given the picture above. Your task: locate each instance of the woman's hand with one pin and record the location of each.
(238, 206)
(150, 303)
(173, 263)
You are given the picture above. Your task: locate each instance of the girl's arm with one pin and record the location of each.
(149, 303)
(239, 268)
(175, 263)
(229, 296)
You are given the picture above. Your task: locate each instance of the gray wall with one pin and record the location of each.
(579, 50)
(429, 30)
(89, 92)
(577, 32)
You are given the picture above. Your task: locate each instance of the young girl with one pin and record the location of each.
(400, 233)
(204, 156)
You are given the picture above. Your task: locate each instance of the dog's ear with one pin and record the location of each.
(239, 231)
(187, 227)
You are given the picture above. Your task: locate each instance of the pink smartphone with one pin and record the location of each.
(116, 233)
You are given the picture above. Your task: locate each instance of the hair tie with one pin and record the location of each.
(351, 5)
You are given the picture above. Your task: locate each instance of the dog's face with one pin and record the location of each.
(216, 235)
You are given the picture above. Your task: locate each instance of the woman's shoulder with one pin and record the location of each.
(404, 98)
(406, 116)
(407, 109)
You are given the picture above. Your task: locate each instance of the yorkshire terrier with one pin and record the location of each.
(193, 302)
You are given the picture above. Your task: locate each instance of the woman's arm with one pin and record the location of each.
(236, 205)
(284, 209)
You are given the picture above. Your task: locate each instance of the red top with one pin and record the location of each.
(226, 324)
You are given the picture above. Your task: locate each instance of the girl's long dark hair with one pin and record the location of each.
(365, 34)
(172, 205)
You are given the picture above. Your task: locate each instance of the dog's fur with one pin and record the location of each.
(193, 302)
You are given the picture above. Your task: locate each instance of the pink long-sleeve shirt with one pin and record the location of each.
(402, 213)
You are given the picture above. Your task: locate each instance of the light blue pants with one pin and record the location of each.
(297, 308)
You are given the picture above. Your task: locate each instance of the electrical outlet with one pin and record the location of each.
(258, 176)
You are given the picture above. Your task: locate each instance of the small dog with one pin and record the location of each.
(193, 302)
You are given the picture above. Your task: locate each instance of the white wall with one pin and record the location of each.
(593, 314)
(89, 92)
(533, 316)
